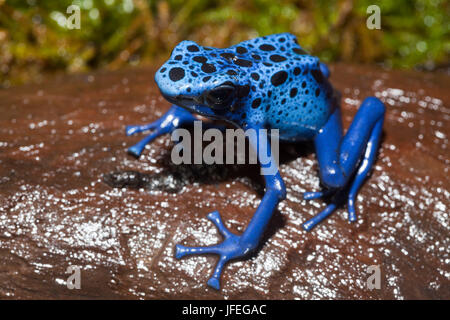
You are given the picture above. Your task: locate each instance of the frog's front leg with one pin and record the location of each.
(172, 119)
(237, 246)
(346, 159)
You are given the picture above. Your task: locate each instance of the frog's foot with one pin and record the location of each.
(137, 149)
(339, 196)
(172, 119)
(231, 248)
(346, 170)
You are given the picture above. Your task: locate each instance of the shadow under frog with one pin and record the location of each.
(173, 178)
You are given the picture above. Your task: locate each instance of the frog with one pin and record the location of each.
(268, 82)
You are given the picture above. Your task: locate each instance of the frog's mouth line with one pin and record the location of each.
(181, 100)
(196, 106)
(192, 104)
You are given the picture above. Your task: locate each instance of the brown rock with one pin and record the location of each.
(58, 139)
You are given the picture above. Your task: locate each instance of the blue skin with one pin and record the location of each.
(268, 82)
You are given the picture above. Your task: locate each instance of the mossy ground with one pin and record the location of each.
(34, 40)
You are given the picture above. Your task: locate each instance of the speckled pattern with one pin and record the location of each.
(58, 139)
(276, 84)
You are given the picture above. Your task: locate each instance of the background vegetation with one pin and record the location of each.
(114, 33)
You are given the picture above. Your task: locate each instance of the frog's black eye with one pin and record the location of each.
(221, 97)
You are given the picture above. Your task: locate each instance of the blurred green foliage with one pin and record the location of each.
(34, 38)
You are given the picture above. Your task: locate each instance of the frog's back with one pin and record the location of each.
(289, 91)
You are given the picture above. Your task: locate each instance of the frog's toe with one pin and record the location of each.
(214, 217)
(214, 281)
(313, 195)
(317, 195)
(181, 251)
(137, 149)
(311, 223)
(351, 207)
(133, 129)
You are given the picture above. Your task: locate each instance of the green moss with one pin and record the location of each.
(115, 33)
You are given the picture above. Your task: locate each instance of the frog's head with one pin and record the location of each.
(203, 80)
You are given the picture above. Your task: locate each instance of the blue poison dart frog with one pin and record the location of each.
(268, 82)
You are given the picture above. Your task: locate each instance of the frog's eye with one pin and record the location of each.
(221, 97)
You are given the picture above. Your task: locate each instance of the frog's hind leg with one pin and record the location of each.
(340, 156)
(172, 119)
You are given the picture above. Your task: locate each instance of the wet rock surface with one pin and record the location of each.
(59, 139)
